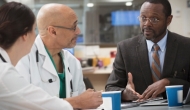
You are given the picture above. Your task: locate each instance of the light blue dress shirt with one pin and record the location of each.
(161, 52)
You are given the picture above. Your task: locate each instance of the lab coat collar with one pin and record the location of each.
(47, 64)
(5, 55)
(40, 46)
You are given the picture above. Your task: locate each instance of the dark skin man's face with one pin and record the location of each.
(154, 31)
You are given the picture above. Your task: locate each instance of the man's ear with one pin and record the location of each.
(51, 30)
(54, 32)
(169, 20)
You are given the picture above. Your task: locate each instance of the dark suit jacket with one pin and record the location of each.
(132, 56)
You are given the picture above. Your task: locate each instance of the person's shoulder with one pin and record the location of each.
(5, 67)
(179, 37)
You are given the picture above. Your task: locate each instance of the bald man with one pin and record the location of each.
(50, 67)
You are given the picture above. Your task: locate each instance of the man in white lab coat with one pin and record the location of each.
(55, 70)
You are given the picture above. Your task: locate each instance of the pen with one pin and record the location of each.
(71, 84)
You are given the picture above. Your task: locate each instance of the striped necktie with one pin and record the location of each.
(156, 68)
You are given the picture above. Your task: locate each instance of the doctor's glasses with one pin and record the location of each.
(72, 29)
(153, 20)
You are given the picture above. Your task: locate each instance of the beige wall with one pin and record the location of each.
(181, 17)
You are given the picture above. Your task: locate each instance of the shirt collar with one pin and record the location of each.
(161, 43)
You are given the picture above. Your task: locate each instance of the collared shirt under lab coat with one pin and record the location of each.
(38, 73)
(17, 94)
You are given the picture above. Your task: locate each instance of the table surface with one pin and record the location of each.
(185, 107)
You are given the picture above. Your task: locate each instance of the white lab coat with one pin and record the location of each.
(38, 73)
(18, 94)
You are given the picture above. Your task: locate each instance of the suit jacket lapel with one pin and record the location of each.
(170, 55)
(142, 53)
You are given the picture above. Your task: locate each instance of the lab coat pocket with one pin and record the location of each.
(75, 93)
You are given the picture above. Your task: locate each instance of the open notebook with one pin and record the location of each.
(135, 103)
(159, 101)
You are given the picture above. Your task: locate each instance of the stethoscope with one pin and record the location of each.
(2, 58)
(50, 80)
(37, 61)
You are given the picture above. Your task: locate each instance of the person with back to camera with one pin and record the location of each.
(17, 34)
(50, 67)
(145, 64)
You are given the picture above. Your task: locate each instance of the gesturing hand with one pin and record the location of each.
(129, 93)
(155, 89)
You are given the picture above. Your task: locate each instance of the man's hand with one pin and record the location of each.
(155, 89)
(129, 93)
(87, 100)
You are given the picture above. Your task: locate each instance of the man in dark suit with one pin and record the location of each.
(141, 73)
